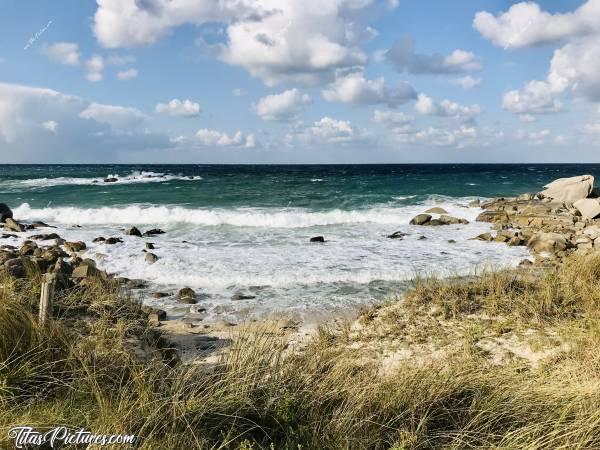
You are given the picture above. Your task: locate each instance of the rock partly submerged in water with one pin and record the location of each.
(5, 212)
(317, 239)
(397, 235)
(134, 231)
(187, 295)
(420, 219)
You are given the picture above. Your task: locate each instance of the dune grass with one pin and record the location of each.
(83, 370)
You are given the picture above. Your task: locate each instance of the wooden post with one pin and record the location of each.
(46, 297)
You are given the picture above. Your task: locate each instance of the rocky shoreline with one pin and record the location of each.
(555, 223)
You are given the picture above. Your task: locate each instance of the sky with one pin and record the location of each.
(299, 81)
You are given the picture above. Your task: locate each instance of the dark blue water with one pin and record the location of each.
(319, 187)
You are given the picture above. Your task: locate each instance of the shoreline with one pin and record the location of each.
(515, 221)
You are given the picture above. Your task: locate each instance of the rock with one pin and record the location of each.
(40, 224)
(317, 239)
(160, 294)
(493, 216)
(84, 271)
(515, 241)
(420, 219)
(588, 207)
(153, 232)
(397, 235)
(421, 238)
(5, 212)
(451, 241)
(27, 248)
(483, 237)
(133, 231)
(157, 315)
(74, 247)
(113, 240)
(593, 232)
(436, 210)
(526, 263)
(187, 295)
(45, 237)
(62, 266)
(547, 243)
(13, 225)
(99, 239)
(239, 295)
(151, 258)
(450, 220)
(569, 190)
(434, 222)
(584, 242)
(149, 245)
(16, 267)
(8, 235)
(111, 180)
(5, 256)
(475, 203)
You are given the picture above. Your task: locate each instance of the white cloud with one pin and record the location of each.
(120, 118)
(50, 125)
(534, 137)
(327, 131)
(525, 24)
(238, 92)
(356, 89)
(527, 118)
(403, 57)
(426, 106)
(215, 138)
(275, 40)
(127, 74)
(179, 108)
(285, 106)
(574, 66)
(63, 53)
(83, 131)
(94, 67)
(467, 82)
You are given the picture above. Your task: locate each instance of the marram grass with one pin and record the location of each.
(263, 394)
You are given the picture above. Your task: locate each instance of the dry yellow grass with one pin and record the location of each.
(80, 372)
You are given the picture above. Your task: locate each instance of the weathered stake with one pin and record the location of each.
(46, 297)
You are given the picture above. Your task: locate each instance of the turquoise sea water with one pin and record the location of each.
(246, 228)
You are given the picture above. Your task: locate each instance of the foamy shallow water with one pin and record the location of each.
(266, 252)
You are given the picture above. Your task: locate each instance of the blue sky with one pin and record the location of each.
(299, 81)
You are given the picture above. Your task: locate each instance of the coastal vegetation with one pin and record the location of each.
(86, 369)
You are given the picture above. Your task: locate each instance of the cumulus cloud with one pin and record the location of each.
(467, 82)
(63, 53)
(127, 74)
(215, 138)
(574, 66)
(119, 118)
(525, 24)
(94, 67)
(391, 117)
(427, 106)
(179, 108)
(357, 90)
(274, 40)
(327, 131)
(284, 106)
(404, 58)
(44, 125)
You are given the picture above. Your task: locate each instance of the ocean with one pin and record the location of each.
(232, 229)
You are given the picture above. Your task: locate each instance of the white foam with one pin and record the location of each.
(132, 178)
(241, 217)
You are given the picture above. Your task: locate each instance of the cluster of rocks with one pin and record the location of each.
(561, 219)
(443, 218)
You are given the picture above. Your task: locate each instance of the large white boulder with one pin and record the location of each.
(588, 207)
(569, 190)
